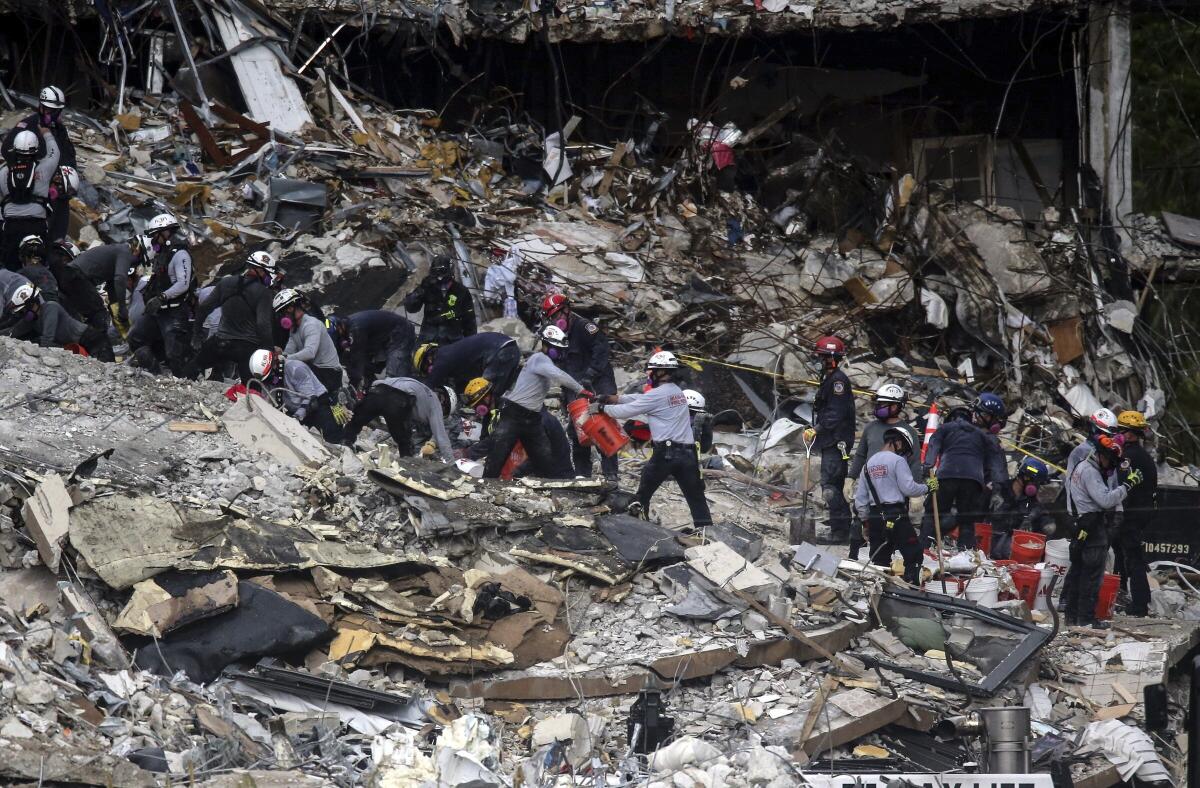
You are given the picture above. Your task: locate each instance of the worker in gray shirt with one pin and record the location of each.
(1095, 498)
(293, 386)
(1103, 422)
(885, 484)
(401, 402)
(108, 267)
(25, 191)
(520, 416)
(675, 455)
(308, 341)
(166, 315)
(889, 404)
(49, 322)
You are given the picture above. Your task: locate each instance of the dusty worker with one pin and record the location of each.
(308, 341)
(1101, 422)
(488, 355)
(166, 314)
(78, 294)
(833, 415)
(294, 386)
(371, 343)
(881, 499)
(107, 266)
(245, 324)
(403, 403)
(675, 455)
(481, 398)
(25, 182)
(447, 309)
(520, 416)
(889, 400)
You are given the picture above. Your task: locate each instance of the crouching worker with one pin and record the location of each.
(49, 322)
(1021, 511)
(294, 386)
(402, 402)
(881, 500)
(675, 454)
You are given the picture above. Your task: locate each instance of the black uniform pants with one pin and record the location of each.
(1131, 563)
(678, 461)
(519, 424)
(170, 324)
(331, 379)
(398, 363)
(963, 497)
(441, 333)
(95, 342)
(833, 479)
(396, 409)
(80, 296)
(216, 352)
(320, 415)
(889, 529)
(10, 239)
(1081, 588)
(60, 219)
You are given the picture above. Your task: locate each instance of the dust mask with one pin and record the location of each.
(883, 412)
(1031, 490)
(481, 411)
(994, 427)
(552, 352)
(286, 323)
(561, 323)
(29, 316)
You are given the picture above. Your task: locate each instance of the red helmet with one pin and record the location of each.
(830, 346)
(554, 303)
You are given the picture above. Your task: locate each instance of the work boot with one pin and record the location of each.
(635, 510)
(1096, 624)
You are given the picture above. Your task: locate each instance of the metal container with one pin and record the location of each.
(1007, 738)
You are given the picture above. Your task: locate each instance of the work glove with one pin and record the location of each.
(587, 393)
(153, 305)
(123, 315)
(1081, 536)
(1133, 479)
(932, 483)
(429, 449)
(810, 435)
(607, 399)
(341, 414)
(595, 407)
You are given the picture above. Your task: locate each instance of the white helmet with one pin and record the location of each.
(31, 244)
(553, 335)
(695, 399)
(25, 143)
(890, 392)
(663, 359)
(261, 362)
(451, 400)
(164, 221)
(70, 179)
(284, 299)
(22, 297)
(144, 246)
(67, 247)
(1105, 420)
(262, 260)
(52, 97)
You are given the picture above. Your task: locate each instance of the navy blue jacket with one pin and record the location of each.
(458, 363)
(966, 452)
(371, 333)
(833, 411)
(587, 358)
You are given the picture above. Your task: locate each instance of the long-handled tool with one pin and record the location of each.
(799, 530)
(937, 534)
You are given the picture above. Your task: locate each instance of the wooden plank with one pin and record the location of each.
(1067, 336)
(211, 149)
(193, 426)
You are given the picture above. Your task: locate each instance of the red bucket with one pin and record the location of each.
(602, 430)
(1028, 547)
(516, 458)
(1109, 587)
(1026, 579)
(577, 409)
(983, 537)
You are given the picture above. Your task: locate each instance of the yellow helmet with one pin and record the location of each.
(1132, 419)
(424, 353)
(476, 390)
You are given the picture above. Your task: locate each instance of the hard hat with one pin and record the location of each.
(284, 299)
(1104, 420)
(440, 266)
(32, 244)
(451, 400)
(164, 221)
(22, 296)
(68, 248)
(830, 346)
(1132, 420)
(261, 362)
(991, 405)
(52, 97)
(553, 335)
(1034, 470)
(476, 390)
(890, 392)
(900, 436)
(553, 303)
(25, 143)
(663, 359)
(70, 178)
(425, 353)
(695, 399)
(262, 260)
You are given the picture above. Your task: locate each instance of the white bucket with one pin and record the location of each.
(949, 586)
(984, 590)
(1058, 558)
(1048, 573)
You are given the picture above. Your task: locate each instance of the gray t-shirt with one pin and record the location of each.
(1090, 492)
(427, 408)
(43, 172)
(892, 479)
(537, 377)
(310, 342)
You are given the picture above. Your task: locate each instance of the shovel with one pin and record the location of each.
(799, 530)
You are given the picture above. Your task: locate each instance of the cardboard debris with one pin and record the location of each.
(172, 600)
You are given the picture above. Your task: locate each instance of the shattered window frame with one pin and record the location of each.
(1033, 640)
(928, 150)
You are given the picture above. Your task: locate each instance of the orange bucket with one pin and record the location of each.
(516, 458)
(601, 430)
(1026, 580)
(983, 537)
(1028, 547)
(1107, 598)
(577, 409)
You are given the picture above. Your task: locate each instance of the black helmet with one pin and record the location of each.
(440, 267)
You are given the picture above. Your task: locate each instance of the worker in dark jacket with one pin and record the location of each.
(489, 355)
(833, 412)
(371, 342)
(1139, 512)
(51, 103)
(1021, 509)
(47, 323)
(108, 266)
(246, 315)
(587, 360)
(969, 464)
(448, 311)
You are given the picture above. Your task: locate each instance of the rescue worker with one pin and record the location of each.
(371, 343)
(9, 282)
(25, 190)
(167, 296)
(833, 413)
(76, 292)
(245, 323)
(32, 251)
(1021, 509)
(520, 416)
(108, 266)
(448, 311)
(1139, 508)
(401, 402)
(1102, 422)
(51, 103)
(674, 456)
(702, 421)
(53, 327)
(968, 460)
(488, 355)
(885, 484)
(1095, 500)
(481, 398)
(889, 402)
(308, 341)
(587, 360)
(294, 386)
